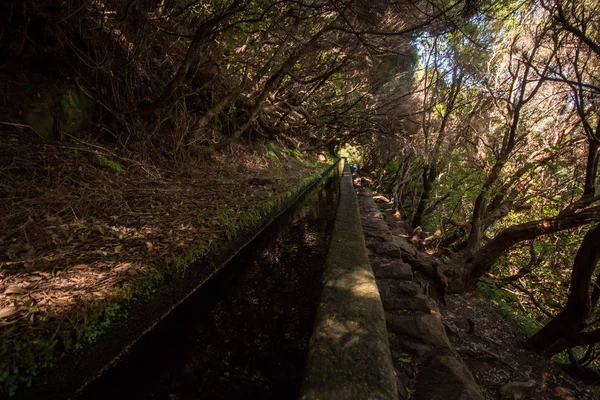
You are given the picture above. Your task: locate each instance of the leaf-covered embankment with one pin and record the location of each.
(87, 232)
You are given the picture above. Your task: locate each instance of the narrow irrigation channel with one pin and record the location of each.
(245, 334)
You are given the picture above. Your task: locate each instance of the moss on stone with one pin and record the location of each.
(75, 109)
(58, 107)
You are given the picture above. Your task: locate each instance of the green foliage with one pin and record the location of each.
(227, 217)
(392, 166)
(507, 304)
(563, 356)
(22, 360)
(114, 165)
(272, 155)
(101, 321)
(58, 107)
(352, 152)
(291, 153)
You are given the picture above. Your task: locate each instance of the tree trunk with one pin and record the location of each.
(191, 57)
(559, 333)
(481, 202)
(429, 175)
(270, 86)
(564, 330)
(591, 171)
(480, 262)
(474, 238)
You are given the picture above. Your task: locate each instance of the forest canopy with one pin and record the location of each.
(498, 160)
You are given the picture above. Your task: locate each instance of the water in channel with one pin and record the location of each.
(245, 334)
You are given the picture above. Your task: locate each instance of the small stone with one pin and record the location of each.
(405, 246)
(427, 328)
(406, 288)
(446, 377)
(416, 303)
(396, 270)
(388, 249)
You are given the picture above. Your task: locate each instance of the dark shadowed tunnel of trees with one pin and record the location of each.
(479, 119)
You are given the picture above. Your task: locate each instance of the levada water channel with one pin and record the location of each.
(245, 333)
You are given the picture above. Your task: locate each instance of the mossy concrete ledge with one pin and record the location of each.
(349, 355)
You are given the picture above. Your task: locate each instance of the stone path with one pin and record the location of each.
(426, 366)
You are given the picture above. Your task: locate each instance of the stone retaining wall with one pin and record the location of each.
(353, 355)
(426, 365)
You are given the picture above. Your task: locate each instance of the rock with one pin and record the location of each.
(445, 377)
(395, 270)
(76, 109)
(262, 181)
(396, 288)
(380, 236)
(517, 390)
(41, 119)
(416, 303)
(388, 249)
(402, 391)
(405, 246)
(418, 330)
(376, 226)
(367, 193)
(373, 213)
(427, 328)
(409, 346)
(59, 108)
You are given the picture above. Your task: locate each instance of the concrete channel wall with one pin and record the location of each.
(349, 356)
